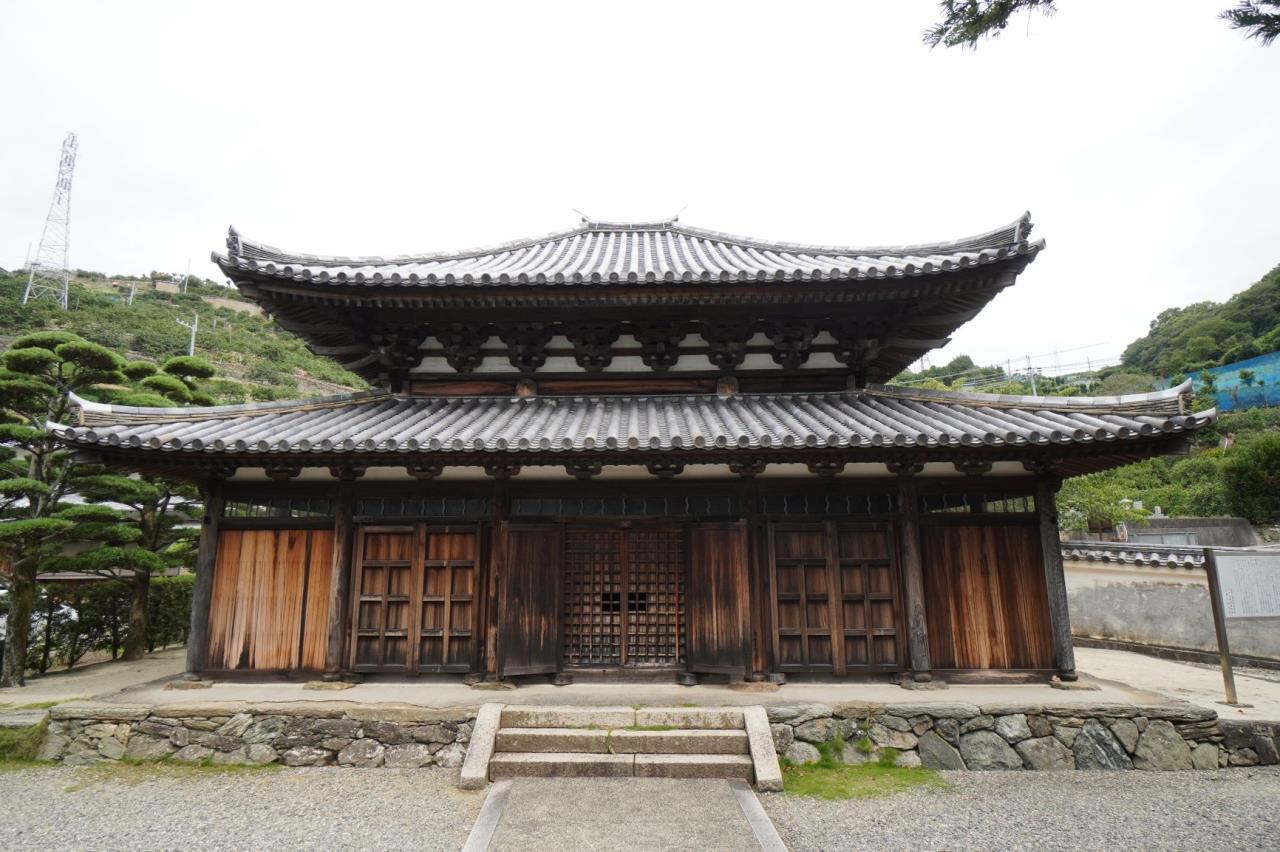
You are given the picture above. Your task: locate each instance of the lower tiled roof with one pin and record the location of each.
(877, 417)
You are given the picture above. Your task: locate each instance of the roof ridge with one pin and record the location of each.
(1177, 392)
(98, 410)
(1010, 234)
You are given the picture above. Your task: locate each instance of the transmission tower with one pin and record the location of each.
(49, 273)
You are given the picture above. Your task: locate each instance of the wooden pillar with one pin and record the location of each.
(913, 579)
(202, 591)
(340, 578)
(1055, 582)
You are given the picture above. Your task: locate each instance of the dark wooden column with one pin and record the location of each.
(913, 578)
(340, 578)
(202, 592)
(1055, 582)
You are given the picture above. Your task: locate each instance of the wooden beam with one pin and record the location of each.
(1047, 487)
(340, 578)
(202, 591)
(913, 579)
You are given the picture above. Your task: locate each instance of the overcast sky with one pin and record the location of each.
(1142, 136)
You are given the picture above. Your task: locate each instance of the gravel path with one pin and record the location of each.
(1228, 809)
(73, 809)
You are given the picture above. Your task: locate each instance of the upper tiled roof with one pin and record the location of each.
(600, 252)
(375, 422)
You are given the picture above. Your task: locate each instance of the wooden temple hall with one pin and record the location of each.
(639, 449)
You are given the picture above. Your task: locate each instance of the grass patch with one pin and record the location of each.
(863, 781)
(134, 773)
(21, 744)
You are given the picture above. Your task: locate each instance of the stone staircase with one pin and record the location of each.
(647, 742)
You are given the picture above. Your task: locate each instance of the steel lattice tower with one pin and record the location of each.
(50, 274)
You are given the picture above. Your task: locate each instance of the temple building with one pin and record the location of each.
(635, 449)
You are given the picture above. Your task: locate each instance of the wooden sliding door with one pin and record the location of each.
(835, 598)
(270, 605)
(414, 589)
(529, 599)
(719, 637)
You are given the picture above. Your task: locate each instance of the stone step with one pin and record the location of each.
(560, 765)
(532, 716)
(623, 741)
(586, 765)
(694, 766)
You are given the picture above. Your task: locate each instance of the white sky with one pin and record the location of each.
(1142, 135)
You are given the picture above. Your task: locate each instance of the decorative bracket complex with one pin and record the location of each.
(904, 468)
(665, 470)
(593, 344)
(826, 469)
(462, 344)
(748, 467)
(727, 342)
(660, 343)
(282, 471)
(526, 344)
(347, 471)
(424, 470)
(584, 469)
(791, 341)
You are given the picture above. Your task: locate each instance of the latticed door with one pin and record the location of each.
(624, 596)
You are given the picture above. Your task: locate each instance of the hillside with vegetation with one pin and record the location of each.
(254, 358)
(1233, 468)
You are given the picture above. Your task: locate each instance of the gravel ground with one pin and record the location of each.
(312, 808)
(1227, 809)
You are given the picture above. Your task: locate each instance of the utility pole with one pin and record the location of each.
(194, 325)
(133, 291)
(1031, 374)
(49, 275)
(182, 288)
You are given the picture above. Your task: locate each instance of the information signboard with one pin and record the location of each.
(1249, 583)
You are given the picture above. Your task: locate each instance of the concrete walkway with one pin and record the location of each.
(571, 814)
(100, 680)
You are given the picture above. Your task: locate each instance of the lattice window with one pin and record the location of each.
(694, 506)
(655, 597)
(279, 507)
(828, 505)
(442, 508)
(593, 597)
(977, 503)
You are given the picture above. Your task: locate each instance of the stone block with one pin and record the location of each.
(978, 723)
(179, 736)
(783, 735)
(894, 723)
(886, 738)
(22, 718)
(410, 713)
(111, 748)
(1039, 726)
(920, 724)
(362, 753)
(265, 729)
(764, 756)
(859, 710)
(1243, 757)
(818, 730)
(1045, 753)
(801, 752)
(108, 729)
(306, 756)
(948, 729)
(217, 742)
(389, 733)
(408, 756)
(1161, 748)
(937, 709)
(260, 753)
(147, 747)
(561, 765)
(1178, 712)
(798, 714)
(475, 766)
(907, 760)
(1095, 747)
(433, 734)
(1204, 756)
(236, 725)
(1013, 728)
(53, 747)
(200, 725)
(1066, 734)
(105, 712)
(581, 740)
(937, 753)
(451, 756)
(693, 741)
(1126, 732)
(236, 757)
(719, 718)
(987, 750)
(1087, 709)
(193, 754)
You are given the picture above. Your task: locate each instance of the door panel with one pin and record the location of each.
(717, 598)
(385, 573)
(834, 589)
(529, 633)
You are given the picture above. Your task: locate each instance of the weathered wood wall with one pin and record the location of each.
(985, 597)
(270, 602)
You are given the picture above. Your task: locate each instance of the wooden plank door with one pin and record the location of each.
(446, 627)
(719, 639)
(529, 600)
(388, 575)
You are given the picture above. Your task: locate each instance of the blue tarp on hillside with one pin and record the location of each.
(1234, 394)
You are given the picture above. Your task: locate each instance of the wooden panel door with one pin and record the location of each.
(835, 600)
(800, 576)
(867, 589)
(717, 598)
(388, 570)
(529, 599)
(446, 627)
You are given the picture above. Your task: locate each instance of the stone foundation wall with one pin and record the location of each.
(313, 734)
(1008, 736)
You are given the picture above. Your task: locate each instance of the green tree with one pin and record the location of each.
(966, 22)
(1252, 478)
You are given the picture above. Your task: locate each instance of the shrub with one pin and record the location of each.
(1251, 476)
